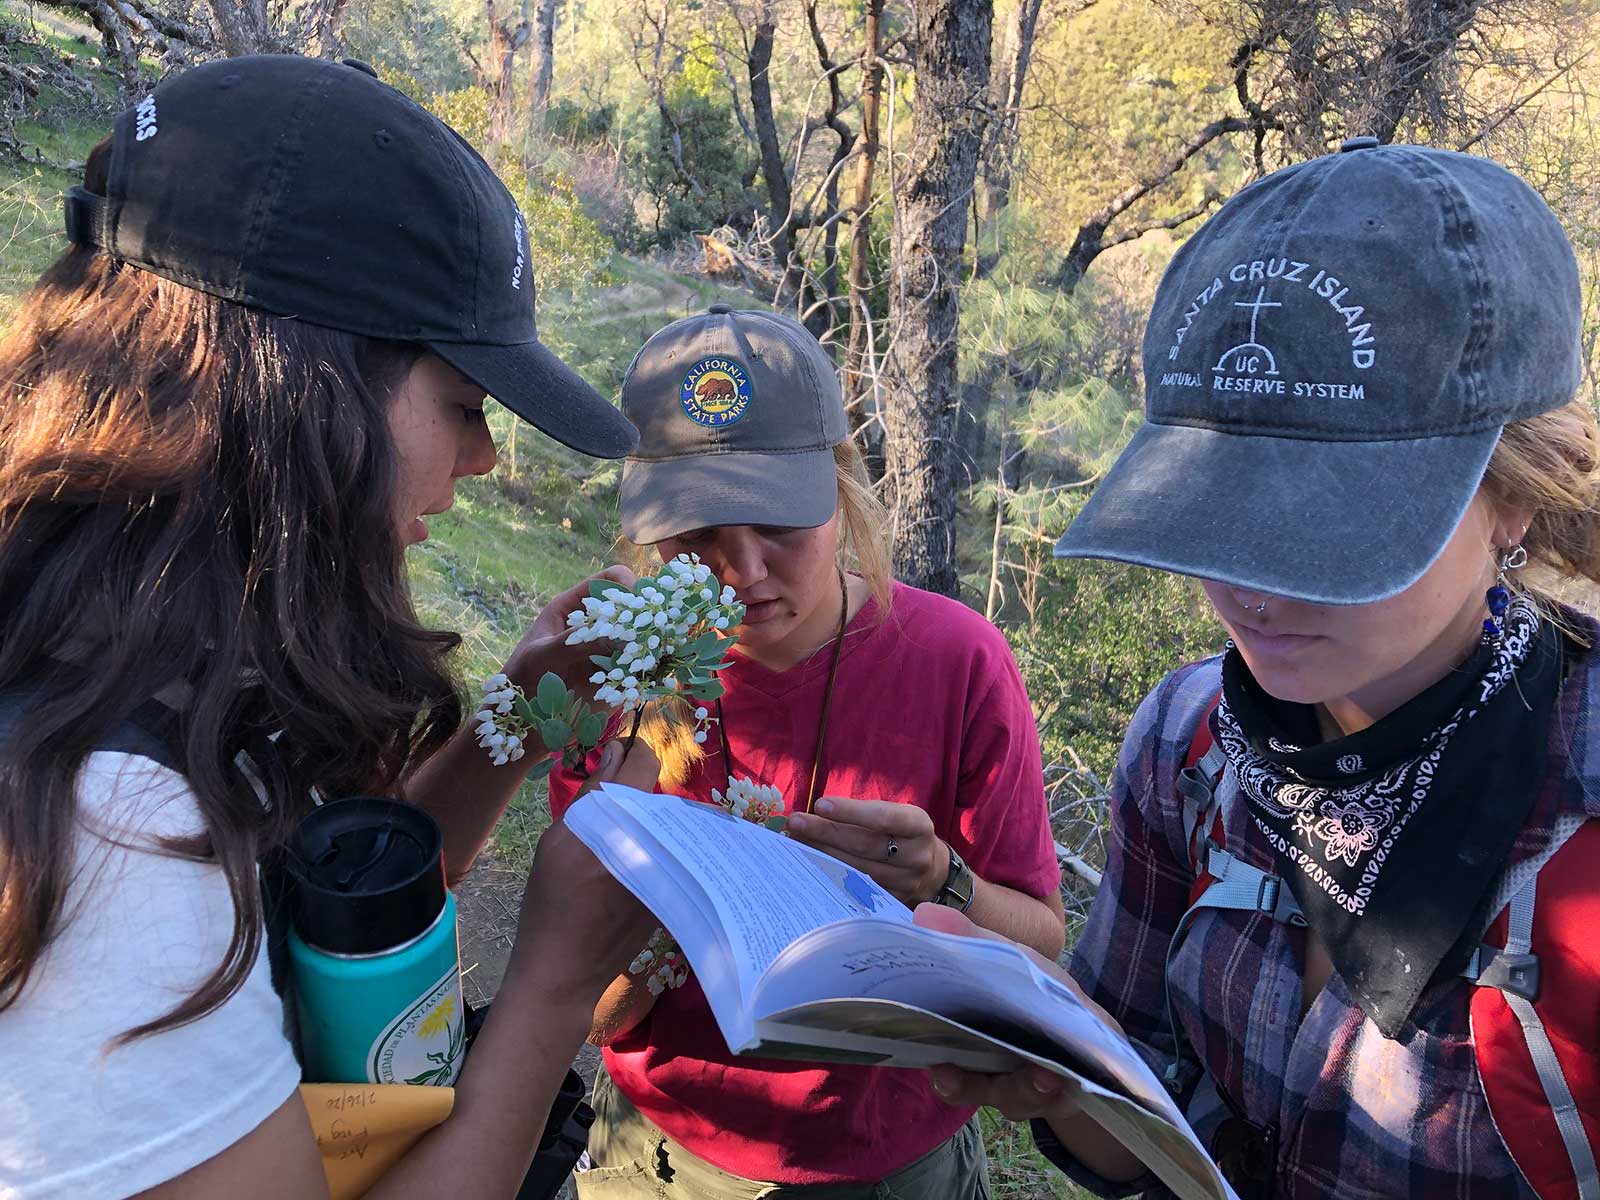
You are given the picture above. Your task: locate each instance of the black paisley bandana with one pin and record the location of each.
(1392, 838)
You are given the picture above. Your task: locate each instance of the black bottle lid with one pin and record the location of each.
(368, 875)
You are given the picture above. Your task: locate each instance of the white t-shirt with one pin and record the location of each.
(81, 1118)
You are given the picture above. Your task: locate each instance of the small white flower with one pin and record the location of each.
(727, 595)
(701, 713)
(483, 715)
(615, 673)
(707, 594)
(700, 737)
(495, 682)
(721, 623)
(517, 753)
(653, 642)
(503, 707)
(598, 677)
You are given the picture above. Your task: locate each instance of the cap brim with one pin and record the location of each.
(541, 389)
(662, 498)
(1326, 522)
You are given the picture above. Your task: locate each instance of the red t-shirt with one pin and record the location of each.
(928, 709)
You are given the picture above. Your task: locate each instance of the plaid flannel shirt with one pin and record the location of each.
(1359, 1116)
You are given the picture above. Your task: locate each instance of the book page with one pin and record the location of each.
(882, 1032)
(972, 980)
(756, 890)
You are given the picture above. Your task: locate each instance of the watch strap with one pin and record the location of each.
(959, 884)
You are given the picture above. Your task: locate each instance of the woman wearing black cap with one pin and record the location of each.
(893, 722)
(1349, 902)
(227, 411)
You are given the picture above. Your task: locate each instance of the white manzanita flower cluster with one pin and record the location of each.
(671, 631)
(500, 729)
(661, 963)
(755, 802)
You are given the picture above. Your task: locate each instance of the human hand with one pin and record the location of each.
(579, 927)
(893, 843)
(1023, 1094)
(544, 646)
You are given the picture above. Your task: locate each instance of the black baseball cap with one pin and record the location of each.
(310, 189)
(1328, 365)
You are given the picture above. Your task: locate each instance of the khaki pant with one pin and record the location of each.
(634, 1160)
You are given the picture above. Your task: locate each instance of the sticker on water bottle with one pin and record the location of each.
(426, 1042)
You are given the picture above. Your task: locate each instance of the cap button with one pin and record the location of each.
(719, 308)
(364, 68)
(1365, 142)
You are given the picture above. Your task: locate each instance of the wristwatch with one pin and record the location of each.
(959, 884)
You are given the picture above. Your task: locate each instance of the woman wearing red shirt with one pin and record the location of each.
(843, 684)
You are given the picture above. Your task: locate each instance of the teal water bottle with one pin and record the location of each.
(372, 946)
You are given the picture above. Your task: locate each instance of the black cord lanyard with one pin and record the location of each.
(827, 706)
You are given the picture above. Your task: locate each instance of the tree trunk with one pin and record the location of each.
(952, 80)
(242, 26)
(1005, 100)
(542, 67)
(780, 200)
(856, 359)
(505, 39)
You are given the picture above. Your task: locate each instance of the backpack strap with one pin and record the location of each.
(1222, 883)
(1514, 973)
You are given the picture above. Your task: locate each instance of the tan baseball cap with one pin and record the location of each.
(738, 412)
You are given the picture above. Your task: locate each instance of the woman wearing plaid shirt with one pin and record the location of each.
(1360, 430)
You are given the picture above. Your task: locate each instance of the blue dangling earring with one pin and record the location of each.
(1498, 598)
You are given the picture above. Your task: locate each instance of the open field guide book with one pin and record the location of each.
(803, 957)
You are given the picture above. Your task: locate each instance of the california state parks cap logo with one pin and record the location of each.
(715, 392)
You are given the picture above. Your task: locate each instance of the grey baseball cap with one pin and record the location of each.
(738, 412)
(1328, 364)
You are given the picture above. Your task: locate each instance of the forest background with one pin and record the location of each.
(969, 203)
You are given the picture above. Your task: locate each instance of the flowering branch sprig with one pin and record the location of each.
(563, 722)
(673, 632)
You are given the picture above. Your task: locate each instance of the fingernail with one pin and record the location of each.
(611, 757)
(797, 823)
(941, 1083)
(823, 806)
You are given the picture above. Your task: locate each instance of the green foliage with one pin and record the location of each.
(575, 123)
(1127, 82)
(700, 131)
(1105, 635)
(568, 249)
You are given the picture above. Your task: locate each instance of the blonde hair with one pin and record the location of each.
(1549, 466)
(863, 551)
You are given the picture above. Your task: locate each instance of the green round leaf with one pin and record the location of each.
(556, 734)
(552, 692)
(542, 768)
(590, 727)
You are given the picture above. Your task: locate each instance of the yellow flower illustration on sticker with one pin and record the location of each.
(438, 1021)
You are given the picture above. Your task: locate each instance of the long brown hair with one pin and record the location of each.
(199, 493)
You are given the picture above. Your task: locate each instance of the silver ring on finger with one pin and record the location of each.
(892, 849)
